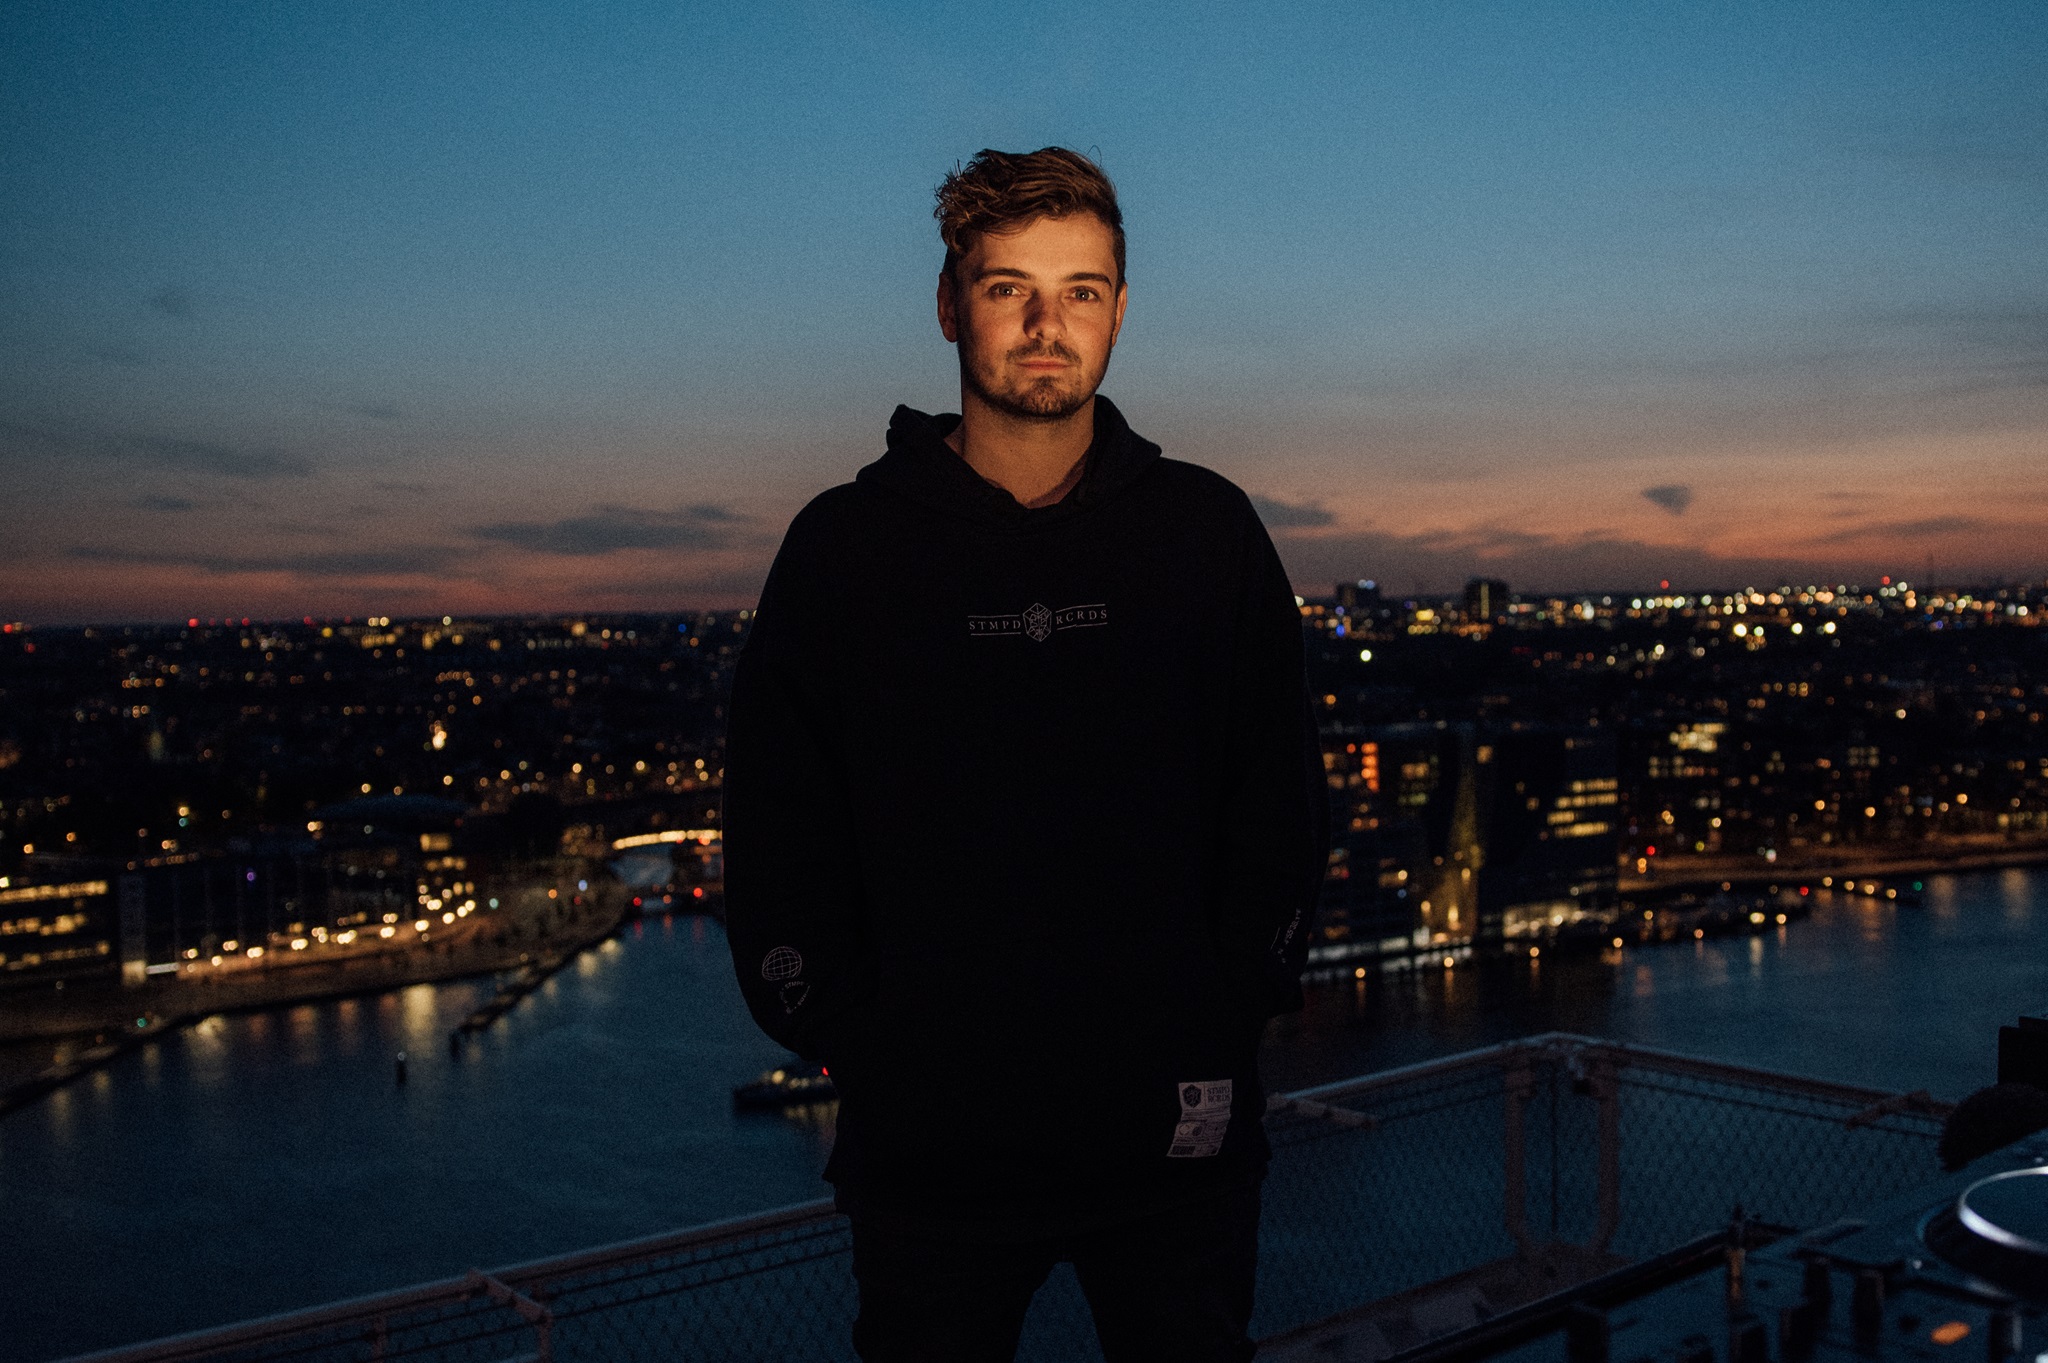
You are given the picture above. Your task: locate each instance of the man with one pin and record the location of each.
(1024, 820)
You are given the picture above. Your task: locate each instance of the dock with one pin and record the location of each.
(528, 978)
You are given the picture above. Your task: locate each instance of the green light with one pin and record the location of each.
(142, 1022)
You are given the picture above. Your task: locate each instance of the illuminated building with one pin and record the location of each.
(1466, 833)
(1486, 601)
(1550, 838)
(56, 931)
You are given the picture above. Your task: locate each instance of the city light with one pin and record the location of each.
(1698, 767)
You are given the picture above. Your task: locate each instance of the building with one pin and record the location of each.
(1550, 837)
(1486, 601)
(57, 931)
(1470, 834)
(1360, 596)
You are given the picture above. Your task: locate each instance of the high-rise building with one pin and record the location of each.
(57, 931)
(1551, 842)
(1467, 833)
(1486, 600)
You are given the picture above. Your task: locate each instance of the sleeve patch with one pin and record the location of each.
(783, 966)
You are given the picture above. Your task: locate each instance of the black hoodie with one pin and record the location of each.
(1024, 822)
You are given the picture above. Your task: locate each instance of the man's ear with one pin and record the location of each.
(949, 316)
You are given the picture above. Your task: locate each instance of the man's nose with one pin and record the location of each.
(1044, 317)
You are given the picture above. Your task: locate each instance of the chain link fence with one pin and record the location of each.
(1414, 1201)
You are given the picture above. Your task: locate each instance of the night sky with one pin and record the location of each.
(330, 309)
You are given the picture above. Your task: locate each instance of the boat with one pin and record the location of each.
(792, 1085)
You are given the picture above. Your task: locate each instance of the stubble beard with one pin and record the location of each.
(1047, 398)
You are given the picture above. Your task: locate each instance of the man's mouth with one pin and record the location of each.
(1044, 359)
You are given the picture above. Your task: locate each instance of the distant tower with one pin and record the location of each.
(1362, 595)
(1486, 599)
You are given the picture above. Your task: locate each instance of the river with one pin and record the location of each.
(257, 1163)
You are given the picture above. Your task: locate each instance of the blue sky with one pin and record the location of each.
(336, 309)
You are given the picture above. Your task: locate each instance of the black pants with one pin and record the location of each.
(1175, 1286)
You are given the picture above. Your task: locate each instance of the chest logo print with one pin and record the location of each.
(1038, 621)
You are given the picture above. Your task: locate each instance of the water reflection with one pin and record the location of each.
(1864, 991)
(421, 1015)
(61, 1108)
(2015, 887)
(302, 1028)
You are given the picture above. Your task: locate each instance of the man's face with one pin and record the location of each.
(1035, 312)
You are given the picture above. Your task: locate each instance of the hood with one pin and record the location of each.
(921, 466)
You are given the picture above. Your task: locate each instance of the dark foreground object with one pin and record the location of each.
(1175, 1287)
(1954, 1270)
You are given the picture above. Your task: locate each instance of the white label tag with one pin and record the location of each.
(1204, 1119)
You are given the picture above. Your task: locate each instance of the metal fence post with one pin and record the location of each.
(532, 1312)
(1607, 1093)
(1518, 1085)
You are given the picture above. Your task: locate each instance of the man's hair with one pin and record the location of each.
(1000, 190)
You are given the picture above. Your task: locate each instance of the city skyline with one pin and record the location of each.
(333, 311)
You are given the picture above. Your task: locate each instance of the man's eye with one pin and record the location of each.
(1004, 290)
(1085, 295)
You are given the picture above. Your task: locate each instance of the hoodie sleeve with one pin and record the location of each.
(793, 901)
(1276, 838)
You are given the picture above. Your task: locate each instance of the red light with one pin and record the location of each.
(1649, 851)
(307, 621)
(1664, 584)
(192, 623)
(822, 1070)
(697, 893)
(636, 901)
(1802, 889)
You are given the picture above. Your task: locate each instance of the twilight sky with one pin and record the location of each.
(341, 308)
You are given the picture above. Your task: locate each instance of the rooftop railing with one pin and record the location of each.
(1402, 1205)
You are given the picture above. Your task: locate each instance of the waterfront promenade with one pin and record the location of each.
(1953, 854)
(56, 1036)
